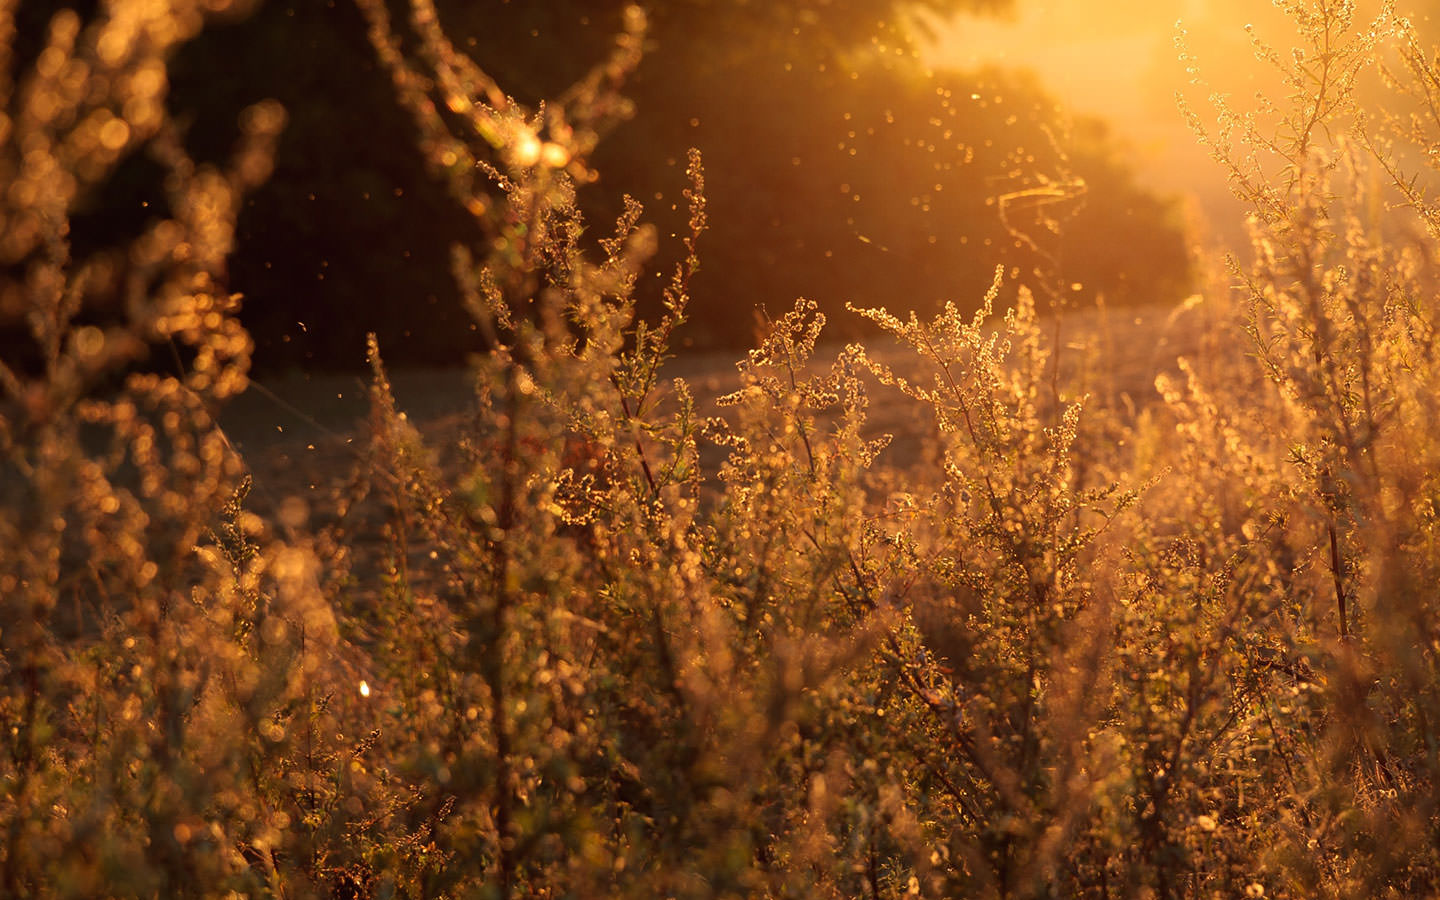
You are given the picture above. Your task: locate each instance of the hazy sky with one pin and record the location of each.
(1117, 59)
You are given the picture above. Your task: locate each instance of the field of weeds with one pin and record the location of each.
(1104, 604)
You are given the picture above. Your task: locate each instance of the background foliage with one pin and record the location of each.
(842, 169)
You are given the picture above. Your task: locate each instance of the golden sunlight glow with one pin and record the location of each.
(554, 155)
(1118, 60)
(526, 148)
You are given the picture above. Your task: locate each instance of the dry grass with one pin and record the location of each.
(1119, 609)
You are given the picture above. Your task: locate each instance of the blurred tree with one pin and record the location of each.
(839, 169)
(846, 172)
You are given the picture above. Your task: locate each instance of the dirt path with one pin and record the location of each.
(302, 434)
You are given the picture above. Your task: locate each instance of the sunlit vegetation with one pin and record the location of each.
(1069, 641)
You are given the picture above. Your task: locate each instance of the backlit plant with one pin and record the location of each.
(619, 640)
